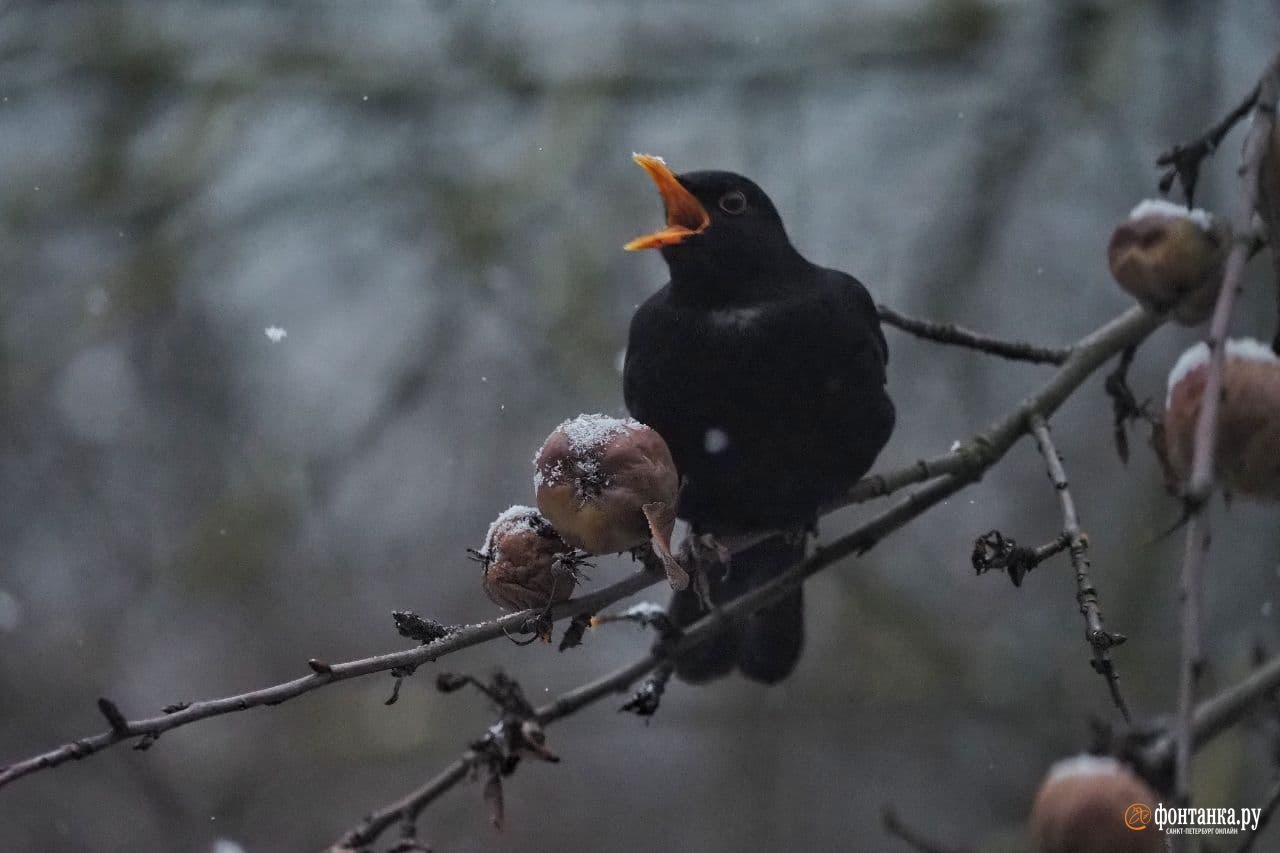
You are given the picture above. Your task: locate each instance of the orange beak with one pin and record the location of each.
(685, 214)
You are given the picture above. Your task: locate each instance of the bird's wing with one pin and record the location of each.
(862, 308)
(645, 334)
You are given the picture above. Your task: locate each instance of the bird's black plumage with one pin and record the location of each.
(765, 374)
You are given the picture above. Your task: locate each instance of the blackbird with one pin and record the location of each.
(765, 374)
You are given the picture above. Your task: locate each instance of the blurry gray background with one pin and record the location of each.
(430, 198)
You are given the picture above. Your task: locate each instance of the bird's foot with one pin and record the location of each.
(704, 551)
(704, 555)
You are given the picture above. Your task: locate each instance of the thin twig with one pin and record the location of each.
(948, 333)
(1183, 161)
(1099, 639)
(407, 809)
(963, 465)
(1124, 405)
(153, 727)
(1199, 485)
(993, 550)
(860, 540)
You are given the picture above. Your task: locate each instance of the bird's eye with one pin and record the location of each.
(733, 202)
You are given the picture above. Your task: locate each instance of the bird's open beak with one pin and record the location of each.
(685, 214)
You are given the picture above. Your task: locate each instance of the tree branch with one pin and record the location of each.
(183, 714)
(947, 333)
(1216, 715)
(963, 465)
(1199, 485)
(1099, 639)
(409, 807)
(1183, 161)
(981, 452)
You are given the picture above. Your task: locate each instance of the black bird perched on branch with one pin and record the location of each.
(766, 376)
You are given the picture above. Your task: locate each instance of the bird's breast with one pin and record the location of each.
(736, 319)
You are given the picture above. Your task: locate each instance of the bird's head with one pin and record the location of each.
(719, 224)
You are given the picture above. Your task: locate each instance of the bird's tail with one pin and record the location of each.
(764, 646)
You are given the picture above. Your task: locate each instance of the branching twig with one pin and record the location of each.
(409, 807)
(1199, 484)
(963, 465)
(861, 539)
(1099, 639)
(184, 714)
(947, 333)
(1183, 161)
(1123, 403)
(981, 452)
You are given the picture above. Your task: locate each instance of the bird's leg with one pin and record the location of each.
(703, 553)
(702, 587)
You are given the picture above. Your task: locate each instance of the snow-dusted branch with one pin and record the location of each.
(1199, 486)
(1100, 640)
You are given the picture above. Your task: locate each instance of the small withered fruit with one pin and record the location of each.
(526, 563)
(1170, 258)
(1247, 456)
(609, 485)
(1094, 803)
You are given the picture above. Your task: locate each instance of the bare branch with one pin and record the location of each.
(947, 333)
(1099, 639)
(980, 453)
(1183, 161)
(411, 805)
(962, 466)
(1199, 485)
(1214, 716)
(184, 714)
